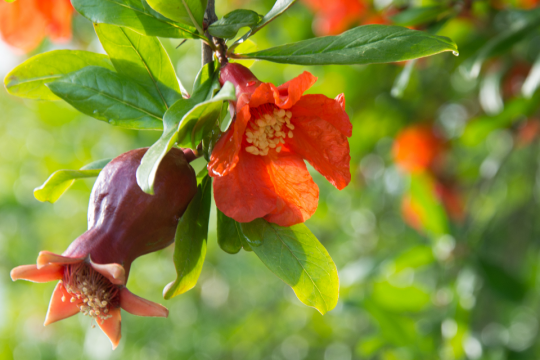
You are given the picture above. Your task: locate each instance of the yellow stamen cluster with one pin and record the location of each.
(93, 293)
(269, 131)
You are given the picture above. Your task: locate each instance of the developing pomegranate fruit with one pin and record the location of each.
(123, 224)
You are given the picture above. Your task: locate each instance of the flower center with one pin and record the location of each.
(94, 293)
(268, 129)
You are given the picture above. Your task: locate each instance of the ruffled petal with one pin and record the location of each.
(330, 110)
(324, 147)
(48, 258)
(136, 305)
(341, 100)
(290, 93)
(58, 309)
(32, 273)
(112, 327)
(264, 94)
(246, 192)
(298, 195)
(226, 152)
(114, 272)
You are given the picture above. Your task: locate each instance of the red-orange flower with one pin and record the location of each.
(336, 16)
(258, 164)
(123, 224)
(416, 148)
(25, 23)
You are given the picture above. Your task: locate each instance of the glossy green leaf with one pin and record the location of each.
(108, 96)
(60, 181)
(502, 43)
(296, 256)
(418, 15)
(229, 233)
(227, 27)
(432, 214)
(185, 123)
(366, 44)
(28, 79)
(185, 11)
(134, 15)
(280, 6)
(142, 59)
(190, 241)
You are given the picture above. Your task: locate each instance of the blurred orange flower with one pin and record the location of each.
(334, 17)
(416, 148)
(258, 164)
(25, 23)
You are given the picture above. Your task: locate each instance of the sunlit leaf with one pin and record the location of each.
(185, 123)
(190, 241)
(142, 59)
(60, 181)
(134, 15)
(227, 27)
(185, 11)
(411, 298)
(366, 44)
(28, 79)
(296, 256)
(110, 97)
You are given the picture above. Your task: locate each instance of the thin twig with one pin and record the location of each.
(209, 17)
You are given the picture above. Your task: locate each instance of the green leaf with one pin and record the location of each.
(501, 43)
(60, 181)
(280, 6)
(186, 123)
(190, 241)
(411, 298)
(142, 59)
(108, 96)
(134, 15)
(28, 79)
(419, 15)
(229, 234)
(227, 27)
(366, 44)
(185, 11)
(296, 256)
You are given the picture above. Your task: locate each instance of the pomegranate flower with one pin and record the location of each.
(123, 224)
(25, 23)
(258, 164)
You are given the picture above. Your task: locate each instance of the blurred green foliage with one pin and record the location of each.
(466, 289)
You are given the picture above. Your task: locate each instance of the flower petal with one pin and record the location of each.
(114, 272)
(112, 327)
(32, 273)
(136, 305)
(264, 94)
(58, 14)
(324, 147)
(292, 90)
(58, 309)
(297, 193)
(225, 154)
(49, 258)
(330, 110)
(246, 192)
(22, 24)
(341, 100)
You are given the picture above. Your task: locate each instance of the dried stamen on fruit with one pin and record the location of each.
(268, 128)
(93, 293)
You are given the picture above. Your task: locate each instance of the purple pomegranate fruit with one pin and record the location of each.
(123, 224)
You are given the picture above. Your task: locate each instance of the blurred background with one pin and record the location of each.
(437, 238)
